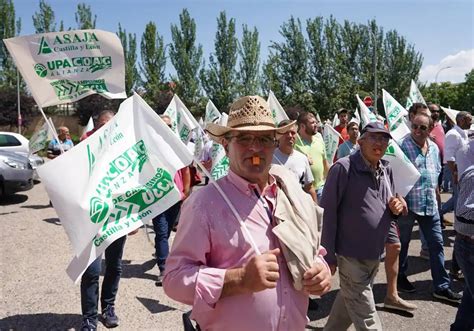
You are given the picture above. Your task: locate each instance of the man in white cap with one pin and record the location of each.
(215, 264)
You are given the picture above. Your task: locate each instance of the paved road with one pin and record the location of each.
(36, 293)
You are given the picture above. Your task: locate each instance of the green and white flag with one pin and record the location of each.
(331, 142)
(123, 177)
(405, 175)
(39, 140)
(366, 116)
(181, 119)
(278, 112)
(220, 161)
(415, 94)
(393, 111)
(63, 67)
(409, 103)
(212, 114)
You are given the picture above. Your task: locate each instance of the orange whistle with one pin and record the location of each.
(256, 160)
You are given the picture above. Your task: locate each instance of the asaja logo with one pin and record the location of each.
(44, 47)
(41, 70)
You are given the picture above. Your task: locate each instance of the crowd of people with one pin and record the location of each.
(257, 244)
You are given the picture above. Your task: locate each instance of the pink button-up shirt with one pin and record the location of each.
(209, 241)
(438, 137)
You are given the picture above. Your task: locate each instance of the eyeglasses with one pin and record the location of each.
(382, 139)
(421, 127)
(247, 140)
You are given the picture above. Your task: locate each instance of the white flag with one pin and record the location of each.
(181, 119)
(366, 116)
(393, 110)
(335, 120)
(123, 176)
(212, 114)
(415, 94)
(63, 67)
(89, 126)
(39, 140)
(278, 112)
(405, 175)
(451, 113)
(408, 104)
(331, 142)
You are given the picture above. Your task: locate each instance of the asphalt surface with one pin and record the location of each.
(36, 293)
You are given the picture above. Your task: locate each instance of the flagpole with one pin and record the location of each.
(231, 206)
(18, 96)
(53, 130)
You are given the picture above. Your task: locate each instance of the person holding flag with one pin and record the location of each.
(215, 263)
(358, 199)
(54, 147)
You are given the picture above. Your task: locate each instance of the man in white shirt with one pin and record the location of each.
(293, 160)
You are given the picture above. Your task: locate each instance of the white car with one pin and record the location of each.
(15, 142)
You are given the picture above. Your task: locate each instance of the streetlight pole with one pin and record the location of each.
(436, 81)
(18, 100)
(375, 71)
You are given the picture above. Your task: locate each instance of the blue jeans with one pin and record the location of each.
(450, 205)
(319, 192)
(464, 251)
(431, 228)
(162, 225)
(447, 178)
(90, 280)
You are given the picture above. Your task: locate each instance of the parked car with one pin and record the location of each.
(15, 142)
(16, 173)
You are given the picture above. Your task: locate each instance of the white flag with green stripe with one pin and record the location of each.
(39, 140)
(415, 94)
(182, 121)
(278, 112)
(212, 113)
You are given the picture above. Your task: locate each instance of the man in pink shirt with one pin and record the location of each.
(212, 265)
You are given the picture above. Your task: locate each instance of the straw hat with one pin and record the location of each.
(249, 113)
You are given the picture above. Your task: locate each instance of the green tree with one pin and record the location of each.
(293, 60)
(84, 18)
(129, 44)
(401, 63)
(187, 60)
(249, 51)
(271, 78)
(466, 95)
(219, 81)
(44, 20)
(153, 61)
(9, 28)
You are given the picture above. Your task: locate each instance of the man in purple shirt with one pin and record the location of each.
(358, 204)
(214, 264)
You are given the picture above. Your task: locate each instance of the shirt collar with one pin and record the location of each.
(248, 188)
(460, 131)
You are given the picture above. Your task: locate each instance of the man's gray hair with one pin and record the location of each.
(461, 115)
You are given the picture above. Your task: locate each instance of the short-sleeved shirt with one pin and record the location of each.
(422, 197)
(343, 132)
(297, 163)
(54, 148)
(438, 137)
(455, 138)
(465, 157)
(346, 148)
(316, 151)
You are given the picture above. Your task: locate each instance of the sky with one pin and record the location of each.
(442, 31)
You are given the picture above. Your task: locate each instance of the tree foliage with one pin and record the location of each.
(219, 81)
(9, 106)
(129, 43)
(9, 28)
(44, 20)
(153, 62)
(186, 57)
(84, 18)
(249, 51)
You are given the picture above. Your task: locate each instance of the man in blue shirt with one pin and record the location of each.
(423, 207)
(54, 147)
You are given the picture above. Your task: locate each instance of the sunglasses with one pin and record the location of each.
(421, 127)
(247, 140)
